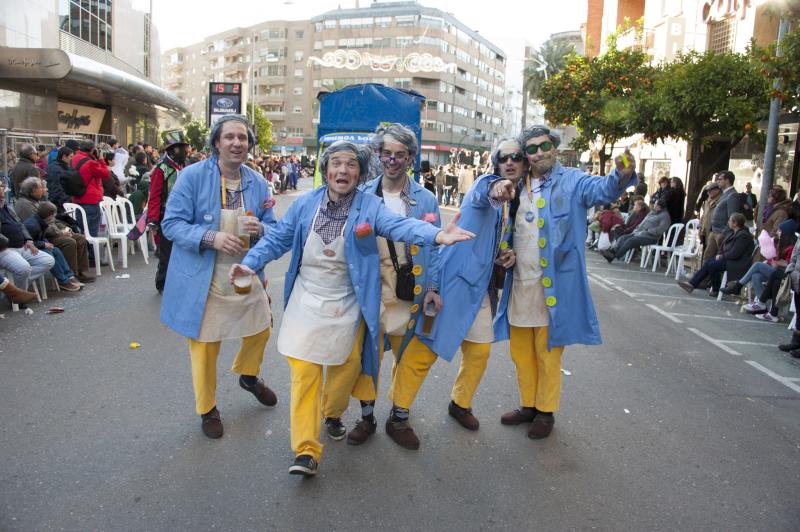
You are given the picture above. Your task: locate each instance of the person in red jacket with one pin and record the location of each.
(94, 171)
(162, 179)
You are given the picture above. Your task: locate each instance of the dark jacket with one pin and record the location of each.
(676, 198)
(634, 220)
(737, 251)
(36, 228)
(751, 201)
(55, 192)
(24, 168)
(12, 227)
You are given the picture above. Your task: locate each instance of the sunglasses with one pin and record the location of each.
(516, 157)
(533, 148)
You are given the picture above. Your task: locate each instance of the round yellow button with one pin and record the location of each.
(547, 282)
(542, 242)
(416, 270)
(410, 324)
(540, 222)
(414, 308)
(550, 301)
(543, 262)
(417, 290)
(413, 249)
(504, 245)
(540, 203)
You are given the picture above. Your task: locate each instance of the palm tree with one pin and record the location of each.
(547, 61)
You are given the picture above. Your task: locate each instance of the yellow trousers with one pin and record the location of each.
(204, 366)
(538, 370)
(410, 371)
(307, 395)
(474, 358)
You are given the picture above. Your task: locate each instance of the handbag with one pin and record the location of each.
(405, 277)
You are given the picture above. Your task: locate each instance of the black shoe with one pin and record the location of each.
(795, 353)
(733, 288)
(304, 465)
(794, 344)
(336, 430)
(608, 255)
(211, 423)
(686, 285)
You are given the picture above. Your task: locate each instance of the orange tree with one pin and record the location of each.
(597, 95)
(784, 67)
(702, 98)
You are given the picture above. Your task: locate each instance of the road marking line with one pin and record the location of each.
(637, 281)
(684, 315)
(665, 314)
(623, 270)
(683, 298)
(783, 380)
(739, 342)
(717, 343)
(603, 285)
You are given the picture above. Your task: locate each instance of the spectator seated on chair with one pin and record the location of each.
(14, 294)
(31, 191)
(20, 258)
(594, 225)
(646, 233)
(640, 210)
(609, 219)
(766, 276)
(37, 227)
(734, 256)
(65, 237)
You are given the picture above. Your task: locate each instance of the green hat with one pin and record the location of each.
(174, 137)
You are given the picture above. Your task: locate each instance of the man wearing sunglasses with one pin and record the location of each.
(467, 282)
(546, 304)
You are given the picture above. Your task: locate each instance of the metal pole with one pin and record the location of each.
(772, 127)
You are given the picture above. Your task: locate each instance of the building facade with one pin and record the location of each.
(71, 66)
(399, 44)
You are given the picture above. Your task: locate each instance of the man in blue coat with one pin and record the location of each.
(546, 303)
(467, 281)
(208, 211)
(409, 275)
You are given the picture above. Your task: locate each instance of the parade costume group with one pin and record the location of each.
(372, 269)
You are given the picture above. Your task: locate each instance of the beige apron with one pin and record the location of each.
(482, 331)
(229, 315)
(526, 306)
(322, 316)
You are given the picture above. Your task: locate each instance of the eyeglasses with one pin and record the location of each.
(531, 149)
(387, 156)
(515, 157)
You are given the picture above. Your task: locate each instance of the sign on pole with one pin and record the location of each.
(223, 99)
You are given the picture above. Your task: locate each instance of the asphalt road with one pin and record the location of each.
(660, 428)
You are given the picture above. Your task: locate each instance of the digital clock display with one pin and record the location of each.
(226, 88)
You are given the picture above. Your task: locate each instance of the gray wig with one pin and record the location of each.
(538, 131)
(361, 151)
(216, 131)
(28, 185)
(401, 134)
(495, 157)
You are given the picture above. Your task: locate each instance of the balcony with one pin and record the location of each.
(634, 38)
(233, 68)
(276, 115)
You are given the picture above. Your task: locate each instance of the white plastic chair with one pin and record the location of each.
(128, 222)
(115, 230)
(96, 241)
(669, 245)
(689, 249)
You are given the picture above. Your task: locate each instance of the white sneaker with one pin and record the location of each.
(767, 317)
(754, 308)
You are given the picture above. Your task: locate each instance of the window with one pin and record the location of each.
(383, 22)
(298, 34)
(297, 109)
(329, 24)
(406, 20)
(298, 91)
(298, 55)
(91, 22)
(317, 45)
(298, 72)
(329, 43)
(721, 34)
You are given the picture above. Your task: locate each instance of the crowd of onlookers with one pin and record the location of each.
(750, 247)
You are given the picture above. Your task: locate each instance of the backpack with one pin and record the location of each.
(72, 182)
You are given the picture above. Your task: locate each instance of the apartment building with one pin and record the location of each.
(399, 44)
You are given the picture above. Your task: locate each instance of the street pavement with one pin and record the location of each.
(685, 418)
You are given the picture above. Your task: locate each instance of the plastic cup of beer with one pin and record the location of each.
(244, 236)
(243, 285)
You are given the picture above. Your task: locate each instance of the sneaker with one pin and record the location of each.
(211, 424)
(261, 392)
(766, 316)
(464, 416)
(362, 431)
(336, 430)
(402, 434)
(304, 465)
(755, 307)
(70, 286)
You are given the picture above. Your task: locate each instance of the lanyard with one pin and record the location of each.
(542, 185)
(225, 195)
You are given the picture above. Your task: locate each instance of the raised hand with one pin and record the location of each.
(503, 190)
(625, 163)
(453, 233)
(239, 270)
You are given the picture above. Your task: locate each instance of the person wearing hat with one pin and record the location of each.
(208, 216)
(713, 191)
(162, 180)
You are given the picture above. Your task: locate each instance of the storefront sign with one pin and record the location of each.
(79, 118)
(33, 63)
(716, 10)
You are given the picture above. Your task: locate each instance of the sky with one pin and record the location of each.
(508, 24)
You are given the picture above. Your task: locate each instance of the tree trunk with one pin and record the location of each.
(695, 185)
(604, 158)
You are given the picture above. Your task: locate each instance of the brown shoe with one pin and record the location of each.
(541, 426)
(261, 391)
(518, 417)
(86, 278)
(463, 416)
(361, 432)
(212, 424)
(18, 296)
(402, 434)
